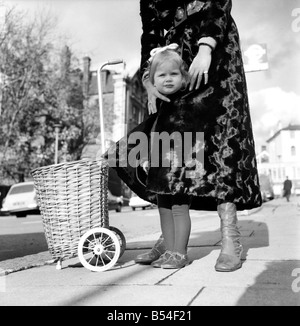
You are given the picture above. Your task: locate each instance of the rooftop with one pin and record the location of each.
(289, 127)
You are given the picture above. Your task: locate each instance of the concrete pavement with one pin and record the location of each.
(270, 275)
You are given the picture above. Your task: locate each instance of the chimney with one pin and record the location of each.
(86, 75)
(65, 61)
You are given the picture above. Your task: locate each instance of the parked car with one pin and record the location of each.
(3, 192)
(115, 202)
(266, 187)
(137, 202)
(20, 200)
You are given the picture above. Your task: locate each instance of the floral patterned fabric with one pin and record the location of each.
(219, 110)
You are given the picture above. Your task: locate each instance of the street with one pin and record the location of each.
(20, 237)
(270, 274)
(25, 236)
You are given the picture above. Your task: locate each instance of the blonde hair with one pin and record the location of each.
(168, 56)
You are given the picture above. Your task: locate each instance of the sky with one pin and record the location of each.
(108, 29)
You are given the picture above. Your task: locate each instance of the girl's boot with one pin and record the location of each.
(157, 250)
(230, 257)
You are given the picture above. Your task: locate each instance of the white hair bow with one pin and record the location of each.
(172, 46)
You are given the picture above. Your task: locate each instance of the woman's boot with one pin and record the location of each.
(157, 250)
(230, 257)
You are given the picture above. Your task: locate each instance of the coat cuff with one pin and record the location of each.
(209, 40)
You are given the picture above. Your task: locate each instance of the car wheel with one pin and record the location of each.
(133, 208)
(21, 215)
(144, 208)
(119, 208)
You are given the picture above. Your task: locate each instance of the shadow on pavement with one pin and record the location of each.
(277, 285)
(254, 235)
(20, 245)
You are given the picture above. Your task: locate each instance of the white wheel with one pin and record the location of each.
(98, 249)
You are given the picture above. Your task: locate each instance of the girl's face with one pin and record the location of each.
(168, 78)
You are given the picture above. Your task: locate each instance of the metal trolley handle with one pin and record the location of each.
(110, 62)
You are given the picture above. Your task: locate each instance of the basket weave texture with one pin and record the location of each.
(72, 198)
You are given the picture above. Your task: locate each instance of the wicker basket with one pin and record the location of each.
(72, 198)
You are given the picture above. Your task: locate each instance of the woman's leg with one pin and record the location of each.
(231, 249)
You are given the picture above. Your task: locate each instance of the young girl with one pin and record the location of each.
(168, 74)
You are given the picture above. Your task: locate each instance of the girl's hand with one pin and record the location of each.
(153, 95)
(199, 67)
(146, 166)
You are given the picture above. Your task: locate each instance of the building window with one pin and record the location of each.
(293, 150)
(264, 159)
(292, 133)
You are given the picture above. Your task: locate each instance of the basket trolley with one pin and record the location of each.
(73, 201)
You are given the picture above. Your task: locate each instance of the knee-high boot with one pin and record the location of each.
(230, 257)
(157, 250)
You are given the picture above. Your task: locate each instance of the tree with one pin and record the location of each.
(39, 87)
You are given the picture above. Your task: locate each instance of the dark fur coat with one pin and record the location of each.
(219, 110)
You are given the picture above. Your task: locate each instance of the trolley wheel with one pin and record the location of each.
(99, 249)
(121, 239)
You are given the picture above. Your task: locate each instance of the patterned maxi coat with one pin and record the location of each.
(218, 109)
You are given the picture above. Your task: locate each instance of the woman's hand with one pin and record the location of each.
(199, 67)
(153, 95)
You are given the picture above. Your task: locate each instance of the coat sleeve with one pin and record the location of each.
(216, 15)
(152, 31)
